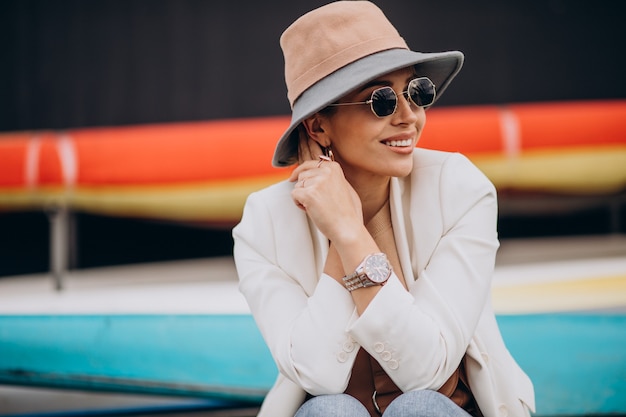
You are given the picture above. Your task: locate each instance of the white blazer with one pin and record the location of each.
(444, 218)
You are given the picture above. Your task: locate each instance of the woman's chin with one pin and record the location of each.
(402, 169)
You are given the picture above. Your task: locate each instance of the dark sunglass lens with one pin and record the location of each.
(422, 92)
(384, 101)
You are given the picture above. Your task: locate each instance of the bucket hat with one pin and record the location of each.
(336, 48)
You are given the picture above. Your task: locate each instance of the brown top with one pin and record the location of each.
(369, 383)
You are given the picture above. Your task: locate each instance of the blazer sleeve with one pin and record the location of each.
(420, 337)
(306, 333)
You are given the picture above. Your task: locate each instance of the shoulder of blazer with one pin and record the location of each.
(276, 200)
(278, 190)
(454, 167)
(266, 210)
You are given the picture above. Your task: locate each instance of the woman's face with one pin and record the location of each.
(365, 144)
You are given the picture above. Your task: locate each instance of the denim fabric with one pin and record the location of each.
(411, 404)
(338, 405)
(424, 404)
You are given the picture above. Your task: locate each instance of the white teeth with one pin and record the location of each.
(405, 142)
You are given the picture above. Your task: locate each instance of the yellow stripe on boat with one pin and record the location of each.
(606, 292)
(580, 170)
(220, 201)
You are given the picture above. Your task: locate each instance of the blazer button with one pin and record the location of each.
(485, 356)
(379, 347)
(503, 410)
(393, 364)
(348, 346)
(386, 355)
(342, 357)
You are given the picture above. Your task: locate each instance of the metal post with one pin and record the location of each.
(59, 236)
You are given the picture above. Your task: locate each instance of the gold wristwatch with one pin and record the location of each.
(374, 270)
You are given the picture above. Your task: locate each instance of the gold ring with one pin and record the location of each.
(323, 158)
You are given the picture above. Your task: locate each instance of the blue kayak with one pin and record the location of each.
(577, 361)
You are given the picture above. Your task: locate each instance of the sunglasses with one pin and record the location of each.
(384, 100)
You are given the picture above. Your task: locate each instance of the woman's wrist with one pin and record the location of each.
(348, 235)
(354, 251)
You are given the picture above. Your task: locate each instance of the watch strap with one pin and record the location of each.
(358, 280)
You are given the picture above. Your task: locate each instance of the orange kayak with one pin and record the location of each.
(203, 171)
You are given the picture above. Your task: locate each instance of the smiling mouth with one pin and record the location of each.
(399, 143)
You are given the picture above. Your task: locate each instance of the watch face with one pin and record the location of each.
(377, 268)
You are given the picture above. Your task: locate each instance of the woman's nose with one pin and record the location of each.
(406, 110)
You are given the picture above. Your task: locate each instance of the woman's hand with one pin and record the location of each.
(321, 189)
(329, 200)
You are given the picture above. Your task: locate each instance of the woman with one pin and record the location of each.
(369, 271)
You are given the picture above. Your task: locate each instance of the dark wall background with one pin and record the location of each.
(70, 63)
(77, 63)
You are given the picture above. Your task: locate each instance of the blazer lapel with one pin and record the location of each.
(415, 210)
(401, 222)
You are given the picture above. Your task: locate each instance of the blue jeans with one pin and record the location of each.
(410, 404)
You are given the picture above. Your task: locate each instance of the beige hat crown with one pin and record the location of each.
(331, 37)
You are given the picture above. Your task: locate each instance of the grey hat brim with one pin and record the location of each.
(440, 67)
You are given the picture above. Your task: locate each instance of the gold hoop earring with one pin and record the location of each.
(328, 152)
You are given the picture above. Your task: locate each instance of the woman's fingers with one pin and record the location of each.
(323, 192)
(303, 168)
